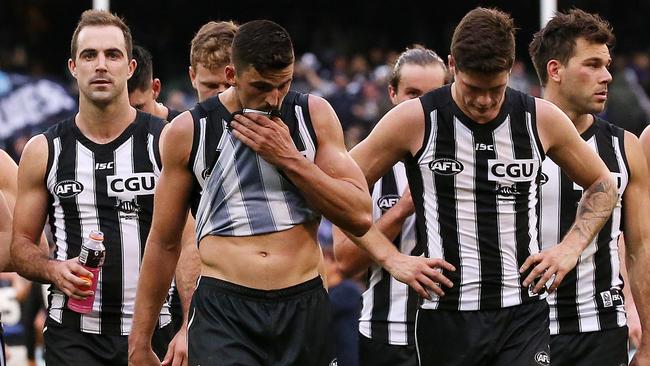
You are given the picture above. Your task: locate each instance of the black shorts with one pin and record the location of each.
(236, 325)
(602, 348)
(514, 336)
(377, 353)
(70, 347)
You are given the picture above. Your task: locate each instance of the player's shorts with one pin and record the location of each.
(602, 348)
(513, 336)
(236, 325)
(70, 347)
(377, 353)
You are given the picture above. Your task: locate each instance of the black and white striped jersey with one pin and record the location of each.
(107, 187)
(242, 193)
(389, 306)
(590, 297)
(475, 189)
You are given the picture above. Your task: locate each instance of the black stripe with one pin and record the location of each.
(445, 147)
(523, 150)
(108, 216)
(66, 171)
(487, 226)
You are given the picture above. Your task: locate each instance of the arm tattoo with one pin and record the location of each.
(594, 209)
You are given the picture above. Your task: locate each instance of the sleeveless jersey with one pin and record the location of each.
(389, 306)
(590, 297)
(242, 193)
(475, 188)
(107, 187)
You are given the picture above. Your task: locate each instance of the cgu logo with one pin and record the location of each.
(542, 358)
(446, 166)
(522, 170)
(68, 188)
(387, 202)
(135, 184)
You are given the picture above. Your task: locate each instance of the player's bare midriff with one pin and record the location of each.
(266, 262)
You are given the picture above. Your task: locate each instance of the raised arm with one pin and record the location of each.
(582, 164)
(30, 260)
(164, 242)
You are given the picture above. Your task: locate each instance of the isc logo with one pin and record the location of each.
(134, 184)
(387, 202)
(521, 170)
(68, 188)
(104, 166)
(446, 166)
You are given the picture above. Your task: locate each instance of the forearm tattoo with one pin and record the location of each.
(594, 209)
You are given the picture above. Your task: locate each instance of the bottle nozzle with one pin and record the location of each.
(96, 235)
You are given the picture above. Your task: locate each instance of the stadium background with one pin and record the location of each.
(344, 52)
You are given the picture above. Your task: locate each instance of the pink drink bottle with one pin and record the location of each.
(91, 258)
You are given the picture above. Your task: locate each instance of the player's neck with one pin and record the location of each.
(103, 123)
(230, 100)
(582, 121)
(161, 111)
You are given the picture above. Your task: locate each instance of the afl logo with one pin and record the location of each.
(542, 179)
(446, 166)
(542, 358)
(386, 202)
(68, 188)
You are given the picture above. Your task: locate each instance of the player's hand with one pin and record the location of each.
(420, 273)
(142, 356)
(552, 263)
(641, 357)
(66, 276)
(270, 138)
(177, 349)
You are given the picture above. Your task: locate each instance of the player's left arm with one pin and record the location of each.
(334, 185)
(637, 235)
(582, 164)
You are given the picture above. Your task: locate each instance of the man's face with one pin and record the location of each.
(583, 80)
(480, 95)
(142, 100)
(208, 81)
(101, 66)
(265, 91)
(416, 80)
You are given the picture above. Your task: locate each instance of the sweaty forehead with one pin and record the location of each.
(585, 49)
(100, 37)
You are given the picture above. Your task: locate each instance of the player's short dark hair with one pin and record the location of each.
(99, 18)
(143, 74)
(484, 41)
(416, 55)
(262, 44)
(211, 45)
(557, 40)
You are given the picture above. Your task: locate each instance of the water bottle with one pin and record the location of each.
(91, 258)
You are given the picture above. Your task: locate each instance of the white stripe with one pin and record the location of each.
(275, 199)
(129, 236)
(417, 344)
(234, 197)
(510, 286)
(87, 207)
(467, 225)
(616, 225)
(310, 149)
(432, 227)
(151, 148)
(532, 199)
